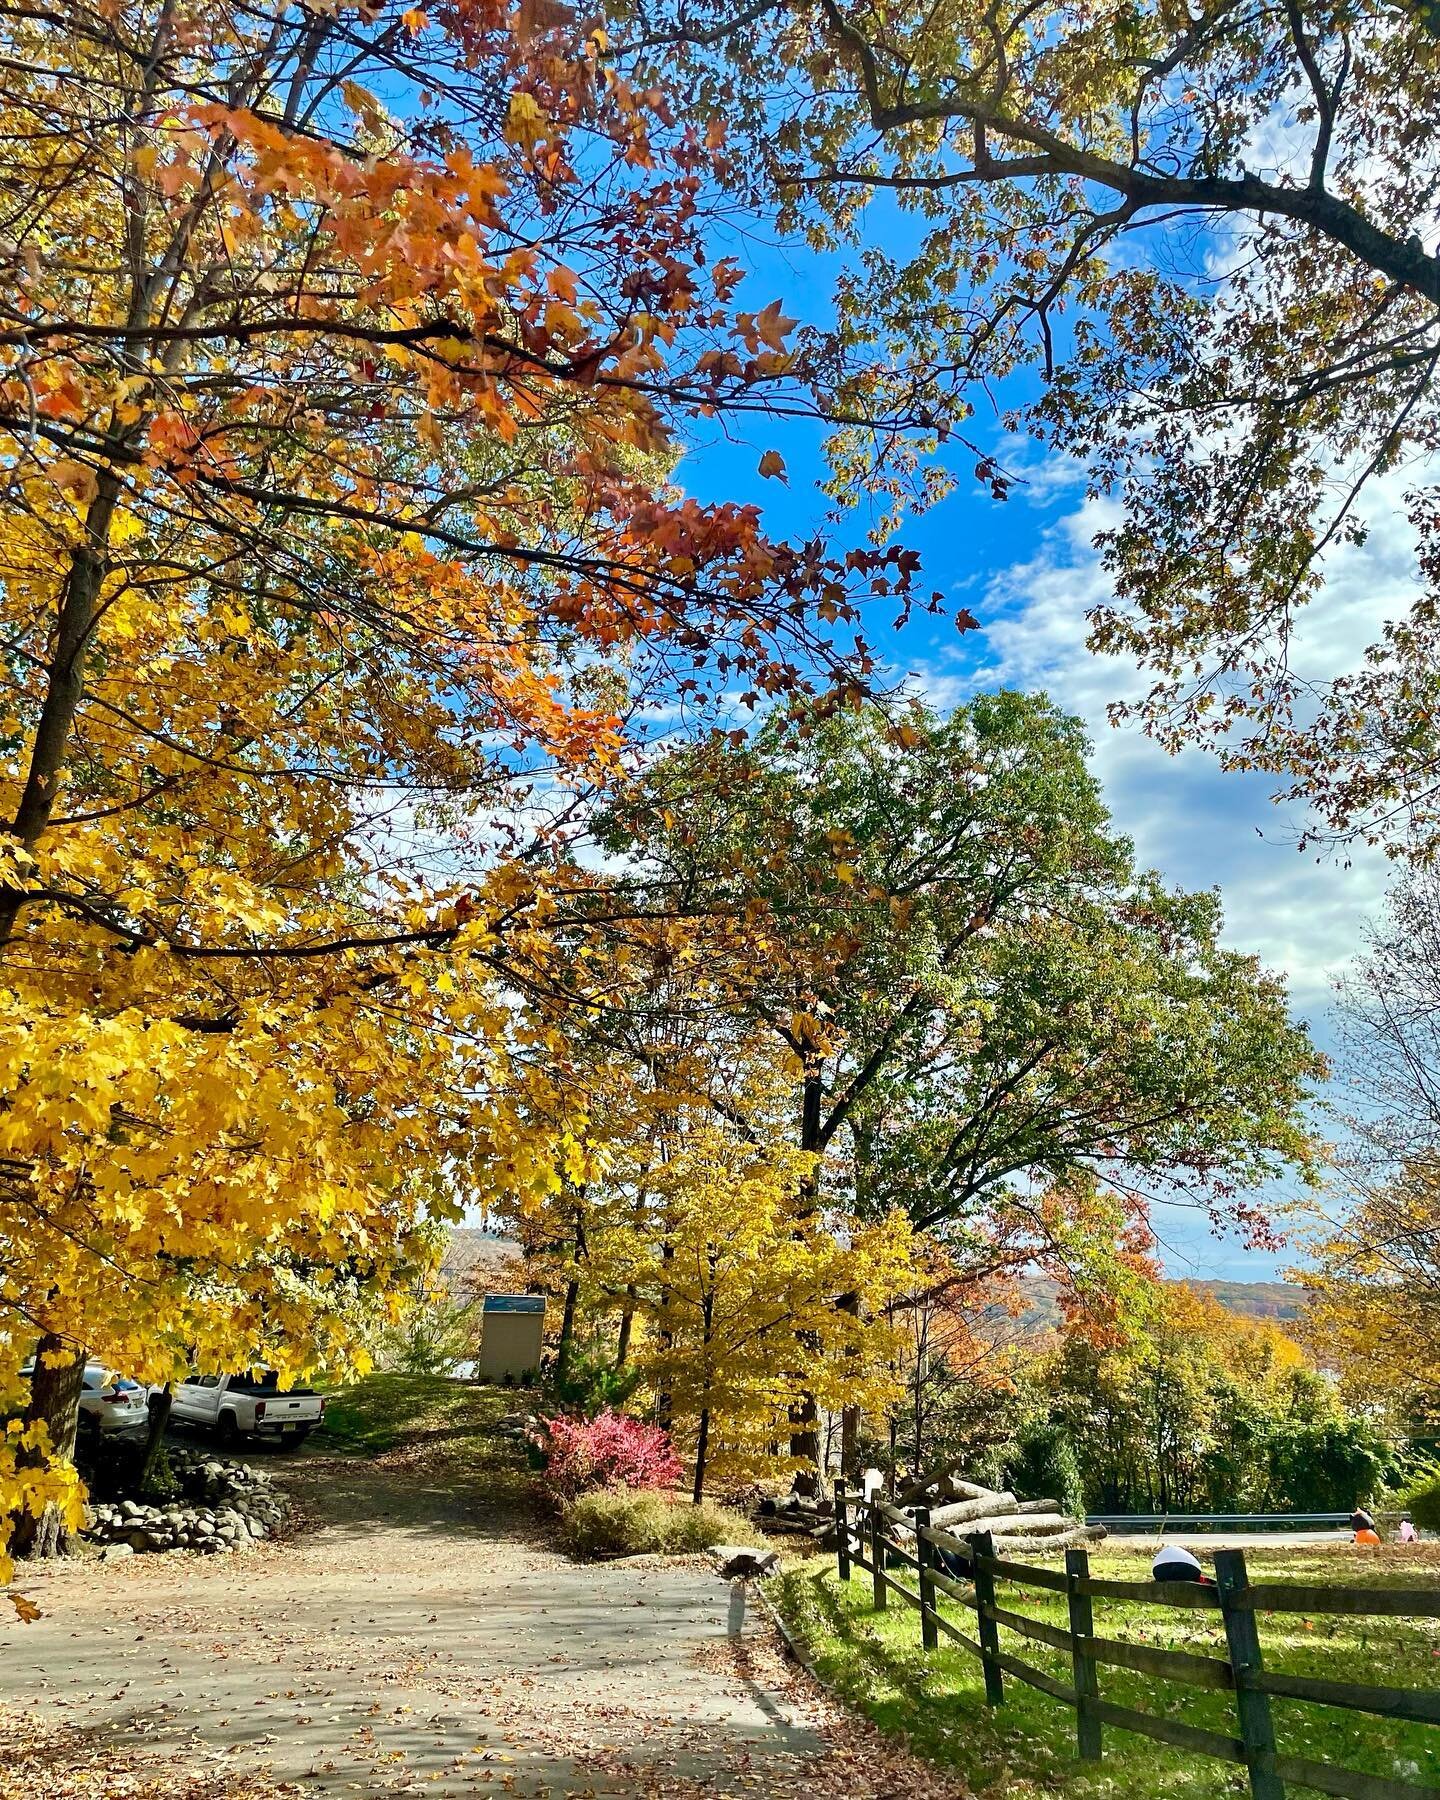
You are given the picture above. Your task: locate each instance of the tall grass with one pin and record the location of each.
(611, 1522)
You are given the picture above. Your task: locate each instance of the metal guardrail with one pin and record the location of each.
(1119, 1524)
(868, 1537)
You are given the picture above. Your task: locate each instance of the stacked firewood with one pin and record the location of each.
(798, 1515)
(1017, 1527)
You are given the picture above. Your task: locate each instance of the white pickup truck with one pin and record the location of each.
(236, 1406)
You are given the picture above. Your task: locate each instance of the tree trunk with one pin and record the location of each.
(805, 1446)
(664, 1399)
(627, 1322)
(160, 1405)
(707, 1337)
(567, 1328)
(55, 1393)
(627, 1310)
(805, 1414)
(850, 1415)
(79, 609)
(702, 1448)
(572, 1295)
(55, 1401)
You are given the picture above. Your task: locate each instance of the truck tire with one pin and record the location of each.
(227, 1430)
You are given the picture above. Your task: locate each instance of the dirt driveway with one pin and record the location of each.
(417, 1642)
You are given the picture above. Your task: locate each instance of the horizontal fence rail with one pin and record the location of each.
(876, 1537)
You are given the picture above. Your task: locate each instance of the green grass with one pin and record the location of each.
(620, 1522)
(1025, 1749)
(449, 1430)
(388, 1412)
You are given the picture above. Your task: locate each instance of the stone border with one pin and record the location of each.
(222, 1506)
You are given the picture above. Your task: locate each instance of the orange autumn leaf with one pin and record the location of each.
(336, 520)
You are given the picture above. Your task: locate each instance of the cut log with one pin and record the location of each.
(1040, 1506)
(1024, 1524)
(1038, 1546)
(942, 1484)
(993, 1506)
(897, 1515)
(997, 1524)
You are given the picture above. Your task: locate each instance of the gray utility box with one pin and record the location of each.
(514, 1326)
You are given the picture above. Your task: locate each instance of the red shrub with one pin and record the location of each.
(612, 1450)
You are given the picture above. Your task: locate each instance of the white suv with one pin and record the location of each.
(111, 1405)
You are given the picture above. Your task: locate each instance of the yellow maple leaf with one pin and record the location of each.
(524, 121)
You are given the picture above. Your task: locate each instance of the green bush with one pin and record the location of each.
(1422, 1500)
(1326, 1465)
(1043, 1463)
(590, 1384)
(621, 1522)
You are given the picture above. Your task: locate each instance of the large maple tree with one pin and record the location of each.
(344, 351)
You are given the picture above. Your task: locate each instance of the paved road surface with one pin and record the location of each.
(414, 1644)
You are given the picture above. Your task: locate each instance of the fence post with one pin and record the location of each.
(1242, 1635)
(1082, 1629)
(984, 1550)
(925, 1556)
(877, 1553)
(842, 1526)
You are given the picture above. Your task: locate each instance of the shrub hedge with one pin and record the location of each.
(610, 1522)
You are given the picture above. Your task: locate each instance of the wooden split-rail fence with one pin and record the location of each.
(877, 1537)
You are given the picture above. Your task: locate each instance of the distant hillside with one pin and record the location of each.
(480, 1259)
(1277, 1300)
(488, 1261)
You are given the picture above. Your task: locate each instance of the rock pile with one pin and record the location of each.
(222, 1506)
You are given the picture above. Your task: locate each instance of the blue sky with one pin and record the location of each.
(1026, 569)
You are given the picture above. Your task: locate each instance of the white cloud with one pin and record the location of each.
(1199, 826)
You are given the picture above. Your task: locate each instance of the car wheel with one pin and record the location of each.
(227, 1431)
(292, 1440)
